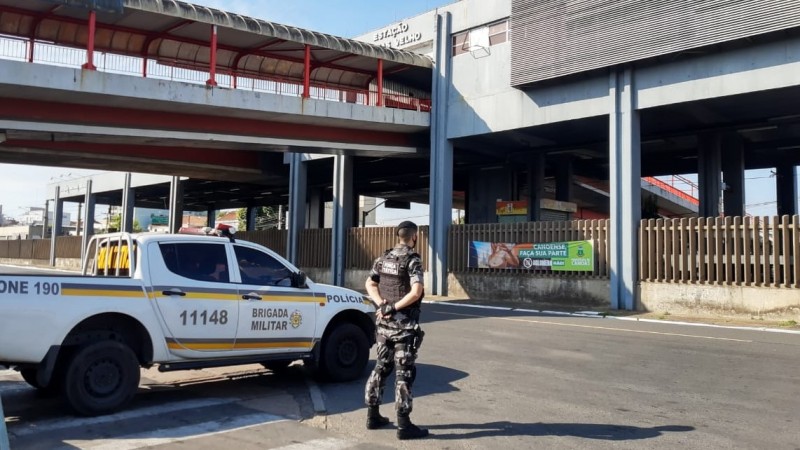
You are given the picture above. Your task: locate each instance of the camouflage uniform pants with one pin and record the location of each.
(393, 353)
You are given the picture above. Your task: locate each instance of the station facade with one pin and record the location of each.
(566, 107)
(550, 92)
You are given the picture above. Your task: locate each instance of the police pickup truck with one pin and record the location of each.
(181, 301)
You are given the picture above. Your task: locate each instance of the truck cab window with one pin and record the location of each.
(260, 268)
(201, 262)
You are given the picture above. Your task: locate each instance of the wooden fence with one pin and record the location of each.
(749, 251)
(363, 246)
(596, 231)
(39, 249)
(273, 239)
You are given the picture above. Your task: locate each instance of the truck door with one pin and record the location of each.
(274, 316)
(191, 286)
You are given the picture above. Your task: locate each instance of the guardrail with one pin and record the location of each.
(733, 251)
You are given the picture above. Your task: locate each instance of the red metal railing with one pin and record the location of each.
(18, 49)
(670, 186)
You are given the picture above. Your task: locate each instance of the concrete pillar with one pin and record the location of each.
(316, 209)
(342, 214)
(128, 203)
(4, 445)
(564, 177)
(58, 210)
(88, 218)
(441, 180)
(786, 188)
(536, 166)
(732, 155)
(486, 186)
(709, 168)
(175, 204)
(211, 217)
(625, 180)
(298, 173)
(45, 221)
(250, 218)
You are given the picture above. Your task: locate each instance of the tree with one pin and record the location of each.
(115, 224)
(266, 218)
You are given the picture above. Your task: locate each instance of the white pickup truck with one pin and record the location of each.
(179, 302)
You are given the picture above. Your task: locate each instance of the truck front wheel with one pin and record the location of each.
(344, 353)
(101, 378)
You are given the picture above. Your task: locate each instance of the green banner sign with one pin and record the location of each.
(573, 256)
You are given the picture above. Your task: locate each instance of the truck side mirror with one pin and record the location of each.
(299, 280)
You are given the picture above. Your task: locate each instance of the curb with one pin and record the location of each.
(317, 400)
(601, 315)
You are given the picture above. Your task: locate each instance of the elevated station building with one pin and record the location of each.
(546, 102)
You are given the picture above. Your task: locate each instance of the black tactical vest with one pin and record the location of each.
(395, 282)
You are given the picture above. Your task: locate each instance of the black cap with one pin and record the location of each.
(406, 224)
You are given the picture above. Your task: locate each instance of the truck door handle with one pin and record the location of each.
(171, 292)
(251, 296)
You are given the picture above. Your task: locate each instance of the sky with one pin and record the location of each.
(24, 186)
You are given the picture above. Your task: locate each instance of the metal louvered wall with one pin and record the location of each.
(554, 38)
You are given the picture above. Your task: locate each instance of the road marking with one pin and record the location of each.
(322, 444)
(170, 435)
(626, 330)
(79, 422)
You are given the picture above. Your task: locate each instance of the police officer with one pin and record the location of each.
(396, 286)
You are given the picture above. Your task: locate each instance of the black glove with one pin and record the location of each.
(387, 309)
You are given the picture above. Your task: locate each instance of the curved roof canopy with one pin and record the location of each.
(178, 33)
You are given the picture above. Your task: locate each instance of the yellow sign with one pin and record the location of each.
(512, 207)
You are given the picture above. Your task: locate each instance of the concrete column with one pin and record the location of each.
(732, 155)
(441, 180)
(536, 166)
(45, 221)
(88, 218)
(564, 176)
(211, 216)
(625, 180)
(128, 202)
(316, 209)
(342, 214)
(250, 219)
(786, 184)
(486, 186)
(4, 445)
(709, 168)
(175, 204)
(58, 210)
(298, 185)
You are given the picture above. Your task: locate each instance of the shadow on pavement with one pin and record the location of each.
(605, 432)
(431, 380)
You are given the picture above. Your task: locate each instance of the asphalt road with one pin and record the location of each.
(486, 379)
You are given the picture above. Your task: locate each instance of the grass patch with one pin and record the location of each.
(664, 315)
(788, 323)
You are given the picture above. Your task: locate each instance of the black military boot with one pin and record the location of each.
(407, 430)
(374, 418)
